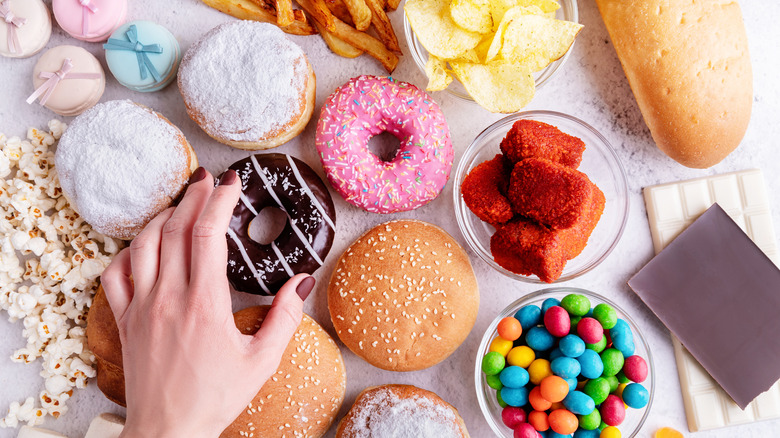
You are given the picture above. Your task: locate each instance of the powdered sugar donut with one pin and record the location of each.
(366, 106)
(120, 164)
(247, 85)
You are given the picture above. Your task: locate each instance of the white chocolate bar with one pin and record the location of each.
(106, 426)
(670, 209)
(37, 432)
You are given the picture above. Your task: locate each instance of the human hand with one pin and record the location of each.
(188, 370)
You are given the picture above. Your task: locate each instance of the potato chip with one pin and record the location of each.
(433, 26)
(536, 41)
(499, 86)
(438, 76)
(469, 56)
(499, 7)
(498, 37)
(472, 15)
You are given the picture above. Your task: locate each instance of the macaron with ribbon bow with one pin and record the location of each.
(68, 80)
(25, 27)
(90, 20)
(143, 56)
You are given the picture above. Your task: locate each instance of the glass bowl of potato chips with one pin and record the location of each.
(492, 52)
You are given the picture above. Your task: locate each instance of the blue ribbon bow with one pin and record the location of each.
(144, 63)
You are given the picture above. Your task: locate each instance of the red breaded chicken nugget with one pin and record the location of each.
(527, 248)
(484, 191)
(549, 193)
(529, 139)
(578, 235)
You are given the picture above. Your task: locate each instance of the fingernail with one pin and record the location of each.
(228, 178)
(304, 287)
(198, 175)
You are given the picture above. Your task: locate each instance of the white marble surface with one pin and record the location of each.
(590, 86)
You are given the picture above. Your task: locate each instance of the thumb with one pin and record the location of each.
(118, 285)
(284, 317)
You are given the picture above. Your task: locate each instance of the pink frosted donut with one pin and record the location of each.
(369, 105)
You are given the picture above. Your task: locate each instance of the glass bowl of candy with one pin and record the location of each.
(568, 11)
(565, 360)
(531, 254)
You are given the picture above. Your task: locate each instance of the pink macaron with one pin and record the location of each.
(90, 20)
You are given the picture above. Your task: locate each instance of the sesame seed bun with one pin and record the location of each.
(401, 410)
(403, 296)
(301, 399)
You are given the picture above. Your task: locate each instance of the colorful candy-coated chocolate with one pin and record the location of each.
(553, 434)
(619, 390)
(571, 345)
(590, 330)
(621, 328)
(525, 430)
(576, 304)
(573, 383)
(538, 419)
(610, 432)
(549, 302)
(509, 328)
(514, 377)
(566, 367)
(584, 433)
(90, 20)
(514, 396)
(635, 395)
(500, 400)
(539, 339)
(555, 354)
(500, 345)
(612, 411)
(573, 321)
(597, 389)
(613, 383)
(521, 356)
(493, 363)
(590, 421)
(554, 388)
(556, 321)
(536, 400)
(635, 368)
(67, 80)
(579, 403)
(494, 382)
(599, 346)
(590, 364)
(621, 377)
(513, 416)
(605, 315)
(563, 421)
(25, 27)
(612, 360)
(143, 56)
(529, 316)
(538, 370)
(624, 343)
(667, 432)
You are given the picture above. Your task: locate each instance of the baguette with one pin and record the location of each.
(688, 66)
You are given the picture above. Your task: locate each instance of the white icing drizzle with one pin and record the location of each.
(308, 191)
(285, 265)
(248, 261)
(270, 189)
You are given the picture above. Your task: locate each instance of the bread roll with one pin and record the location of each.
(688, 65)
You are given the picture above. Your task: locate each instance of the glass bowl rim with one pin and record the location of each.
(546, 74)
(618, 172)
(515, 305)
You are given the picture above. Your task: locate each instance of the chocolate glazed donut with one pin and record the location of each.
(278, 180)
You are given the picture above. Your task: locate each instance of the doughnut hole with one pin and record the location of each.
(267, 225)
(384, 145)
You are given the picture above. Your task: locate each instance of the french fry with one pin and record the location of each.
(284, 13)
(358, 39)
(249, 10)
(319, 11)
(393, 4)
(361, 14)
(340, 11)
(384, 29)
(337, 45)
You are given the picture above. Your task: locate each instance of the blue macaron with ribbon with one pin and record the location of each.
(143, 56)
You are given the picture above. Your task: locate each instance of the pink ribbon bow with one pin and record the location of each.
(87, 7)
(54, 78)
(12, 22)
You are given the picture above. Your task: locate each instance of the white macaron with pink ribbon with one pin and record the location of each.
(68, 80)
(25, 27)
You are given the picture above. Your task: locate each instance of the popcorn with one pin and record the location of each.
(50, 260)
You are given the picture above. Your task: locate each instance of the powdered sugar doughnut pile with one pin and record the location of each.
(366, 106)
(120, 164)
(244, 82)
